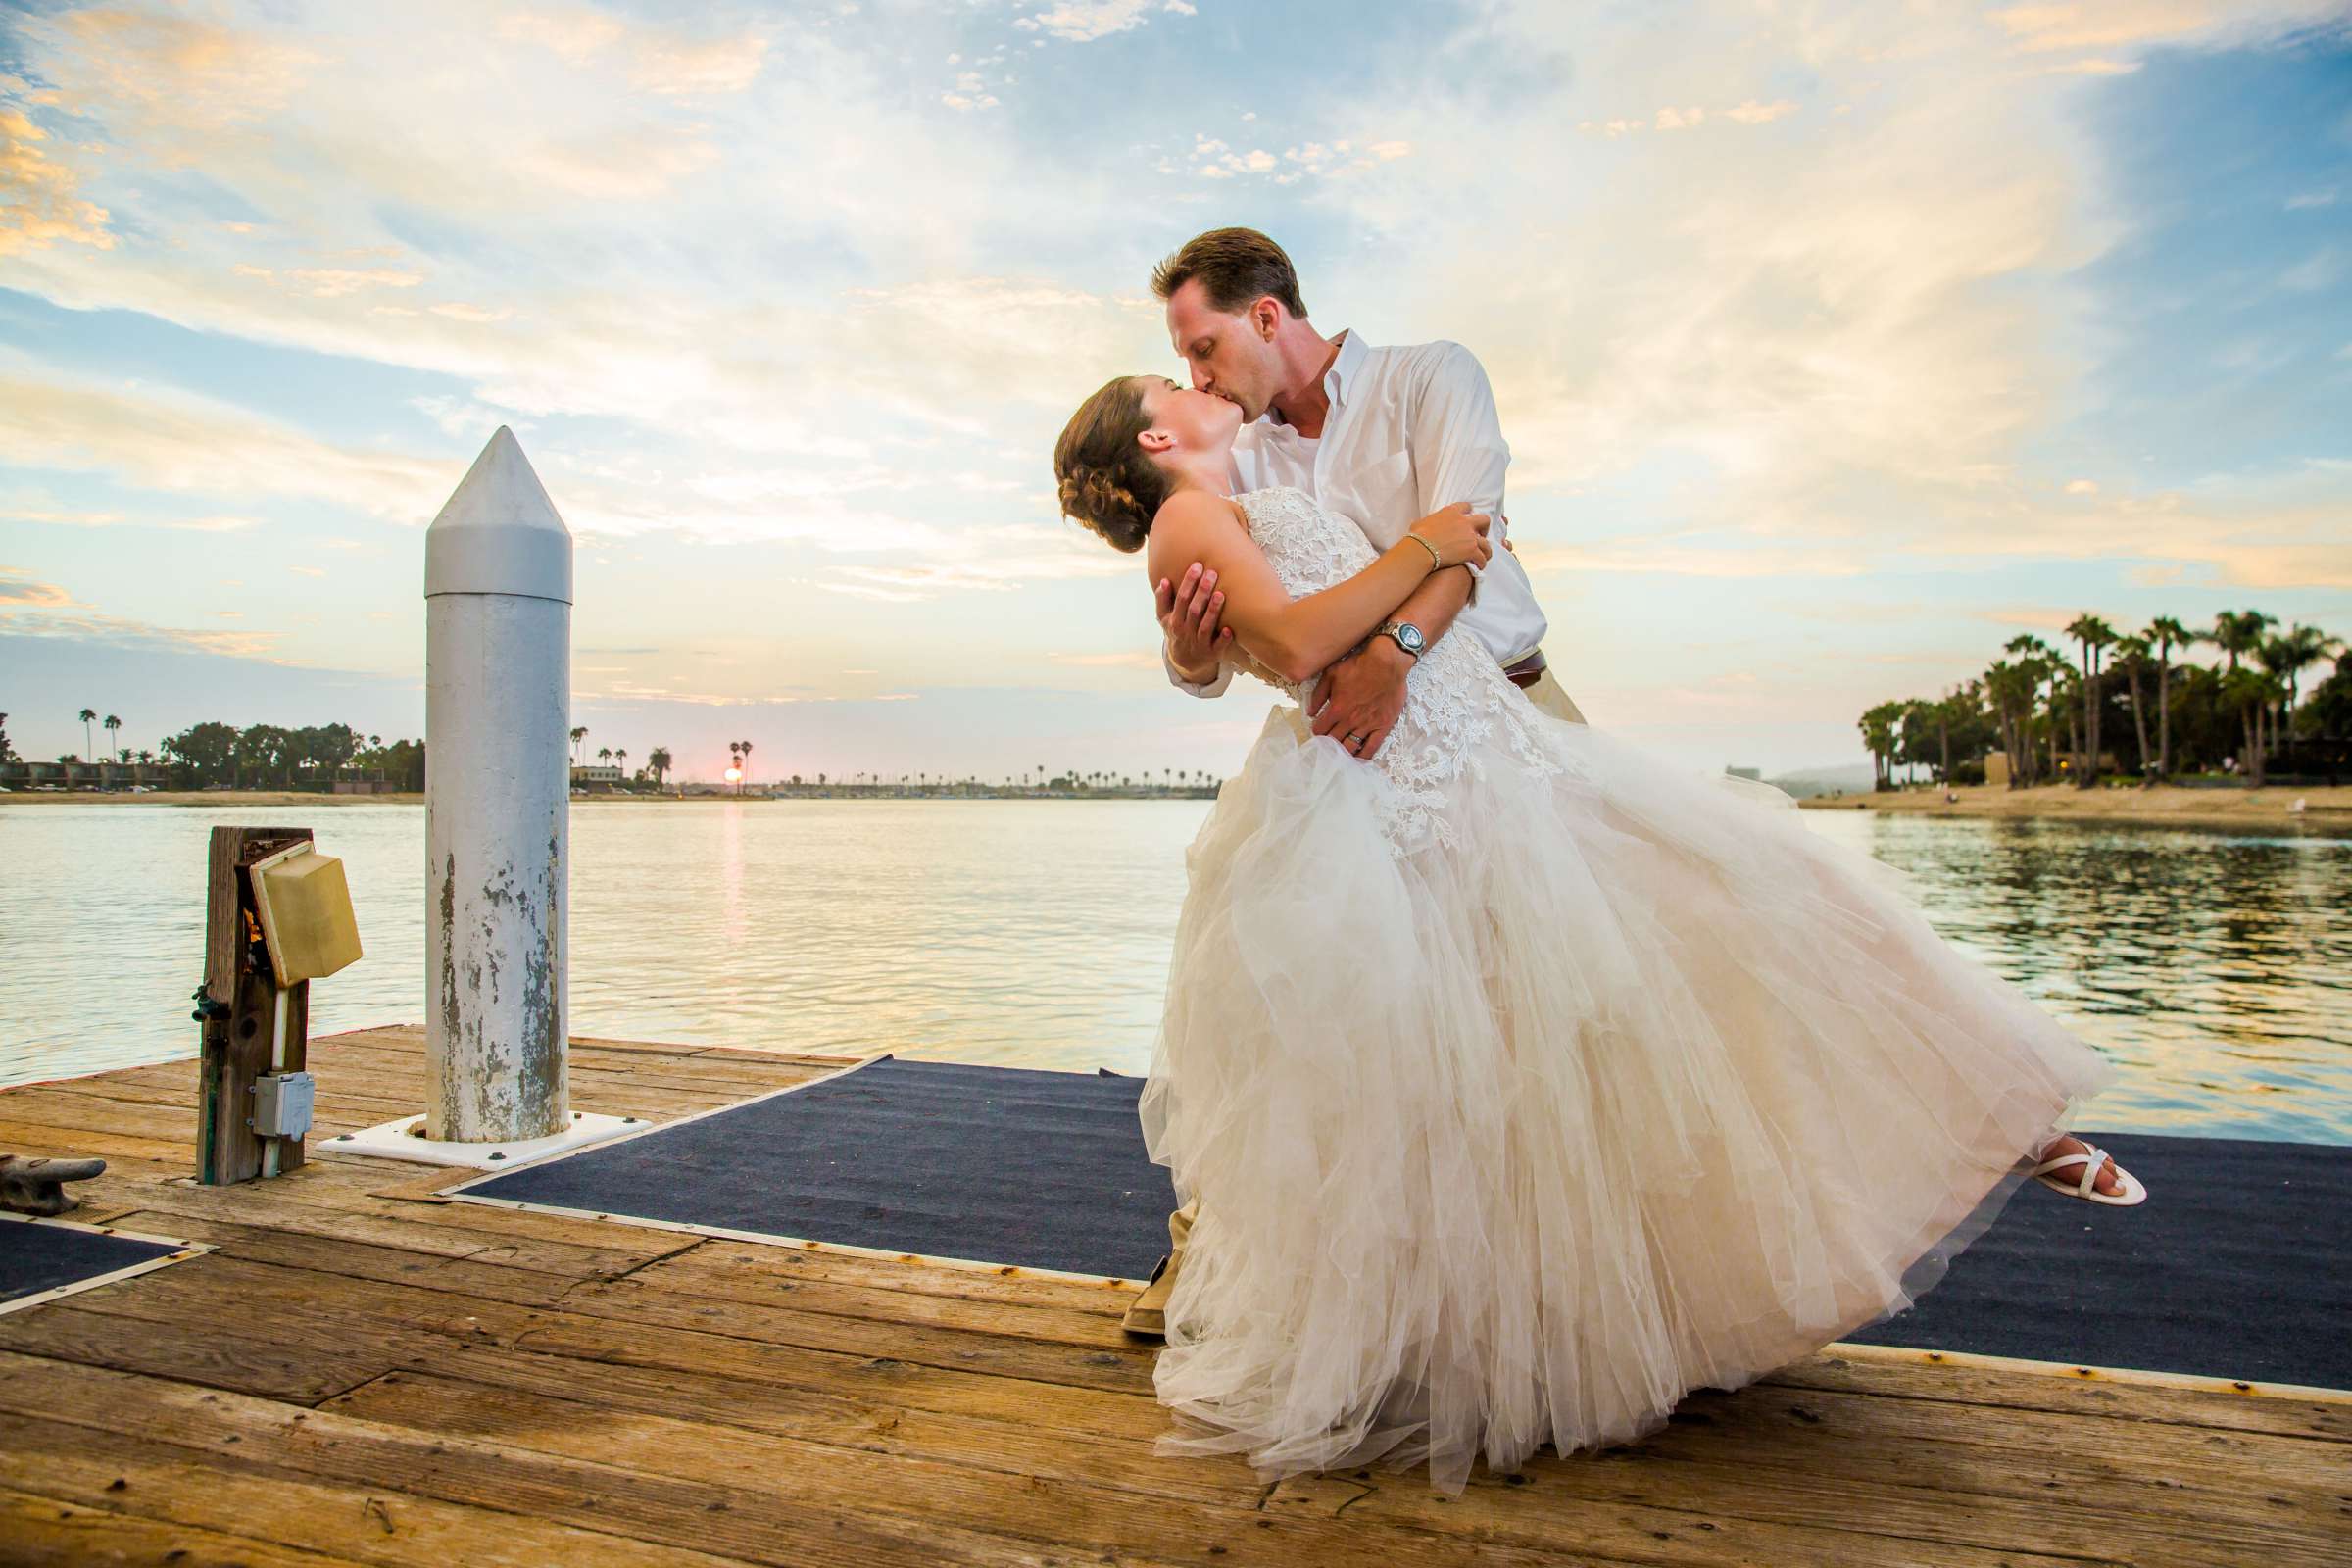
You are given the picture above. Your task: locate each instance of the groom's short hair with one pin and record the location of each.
(1235, 266)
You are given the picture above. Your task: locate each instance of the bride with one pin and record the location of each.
(1524, 1083)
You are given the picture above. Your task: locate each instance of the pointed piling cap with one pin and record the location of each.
(499, 533)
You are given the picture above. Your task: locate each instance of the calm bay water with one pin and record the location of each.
(2215, 969)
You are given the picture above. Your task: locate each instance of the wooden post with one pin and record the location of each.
(242, 994)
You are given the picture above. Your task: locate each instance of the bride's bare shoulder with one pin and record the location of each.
(1192, 523)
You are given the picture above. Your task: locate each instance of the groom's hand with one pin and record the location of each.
(1362, 695)
(1189, 616)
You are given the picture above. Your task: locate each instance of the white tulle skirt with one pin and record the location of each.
(1636, 1087)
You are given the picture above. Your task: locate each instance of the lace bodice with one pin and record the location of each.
(1461, 713)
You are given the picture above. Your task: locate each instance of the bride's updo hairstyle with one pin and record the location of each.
(1102, 474)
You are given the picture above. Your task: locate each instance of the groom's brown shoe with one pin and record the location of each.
(1145, 1315)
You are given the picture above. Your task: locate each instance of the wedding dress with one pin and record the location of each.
(1526, 1082)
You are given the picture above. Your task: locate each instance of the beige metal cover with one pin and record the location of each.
(307, 919)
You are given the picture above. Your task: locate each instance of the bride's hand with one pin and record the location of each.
(1458, 533)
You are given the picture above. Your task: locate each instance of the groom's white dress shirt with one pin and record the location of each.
(1410, 429)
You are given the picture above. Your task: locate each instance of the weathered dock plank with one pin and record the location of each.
(363, 1373)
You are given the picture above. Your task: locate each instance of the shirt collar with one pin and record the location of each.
(1336, 382)
(1341, 377)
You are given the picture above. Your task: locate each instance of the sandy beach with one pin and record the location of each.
(2323, 809)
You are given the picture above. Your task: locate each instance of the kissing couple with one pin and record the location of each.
(1513, 1081)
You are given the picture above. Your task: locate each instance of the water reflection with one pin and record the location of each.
(2213, 969)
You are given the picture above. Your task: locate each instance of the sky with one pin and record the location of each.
(1836, 344)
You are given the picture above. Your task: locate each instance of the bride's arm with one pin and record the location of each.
(1295, 638)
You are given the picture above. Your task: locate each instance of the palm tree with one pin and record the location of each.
(746, 758)
(2239, 631)
(2094, 634)
(577, 735)
(2164, 631)
(2037, 662)
(2131, 657)
(2251, 694)
(89, 747)
(620, 760)
(2000, 687)
(658, 762)
(2061, 712)
(2285, 657)
(1878, 734)
(113, 725)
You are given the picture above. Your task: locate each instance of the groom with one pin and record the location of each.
(1384, 436)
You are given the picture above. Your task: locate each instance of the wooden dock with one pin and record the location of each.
(361, 1373)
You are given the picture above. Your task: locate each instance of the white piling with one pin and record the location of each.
(498, 717)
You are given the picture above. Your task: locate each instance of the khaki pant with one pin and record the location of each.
(1545, 694)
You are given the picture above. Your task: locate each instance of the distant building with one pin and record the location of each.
(108, 775)
(596, 776)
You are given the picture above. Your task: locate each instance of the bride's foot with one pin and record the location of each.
(2104, 1182)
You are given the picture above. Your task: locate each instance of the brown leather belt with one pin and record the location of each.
(1528, 670)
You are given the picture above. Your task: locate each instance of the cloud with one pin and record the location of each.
(2097, 67)
(182, 443)
(1085, 21)
(682, 70)
(75, 517)
(19, 592)
(2109, 24)
(38, 205)
(2298, 539)
(661, 60)
(772, 308)
(58, 618)
(164, 80)
(987, 560)
(1131, 659)
(1212, 159)
(1670, 556)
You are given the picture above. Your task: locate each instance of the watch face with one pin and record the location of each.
(1409, 636)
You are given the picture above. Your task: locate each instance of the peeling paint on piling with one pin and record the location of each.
(498, 668)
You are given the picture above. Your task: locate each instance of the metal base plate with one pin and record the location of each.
(397, 1140)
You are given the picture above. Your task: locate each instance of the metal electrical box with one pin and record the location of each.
(306, 922)
(281, 1104)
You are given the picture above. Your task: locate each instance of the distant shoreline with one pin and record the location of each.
(2324, 810)
(302, 797)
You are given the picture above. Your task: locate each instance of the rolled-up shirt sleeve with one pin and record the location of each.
(1456, 438)
(1215, 688)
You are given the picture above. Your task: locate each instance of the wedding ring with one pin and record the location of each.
(1357, 739)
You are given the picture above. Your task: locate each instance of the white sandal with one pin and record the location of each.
(2132, 1191)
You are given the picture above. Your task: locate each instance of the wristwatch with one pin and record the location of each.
(1406, 636)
